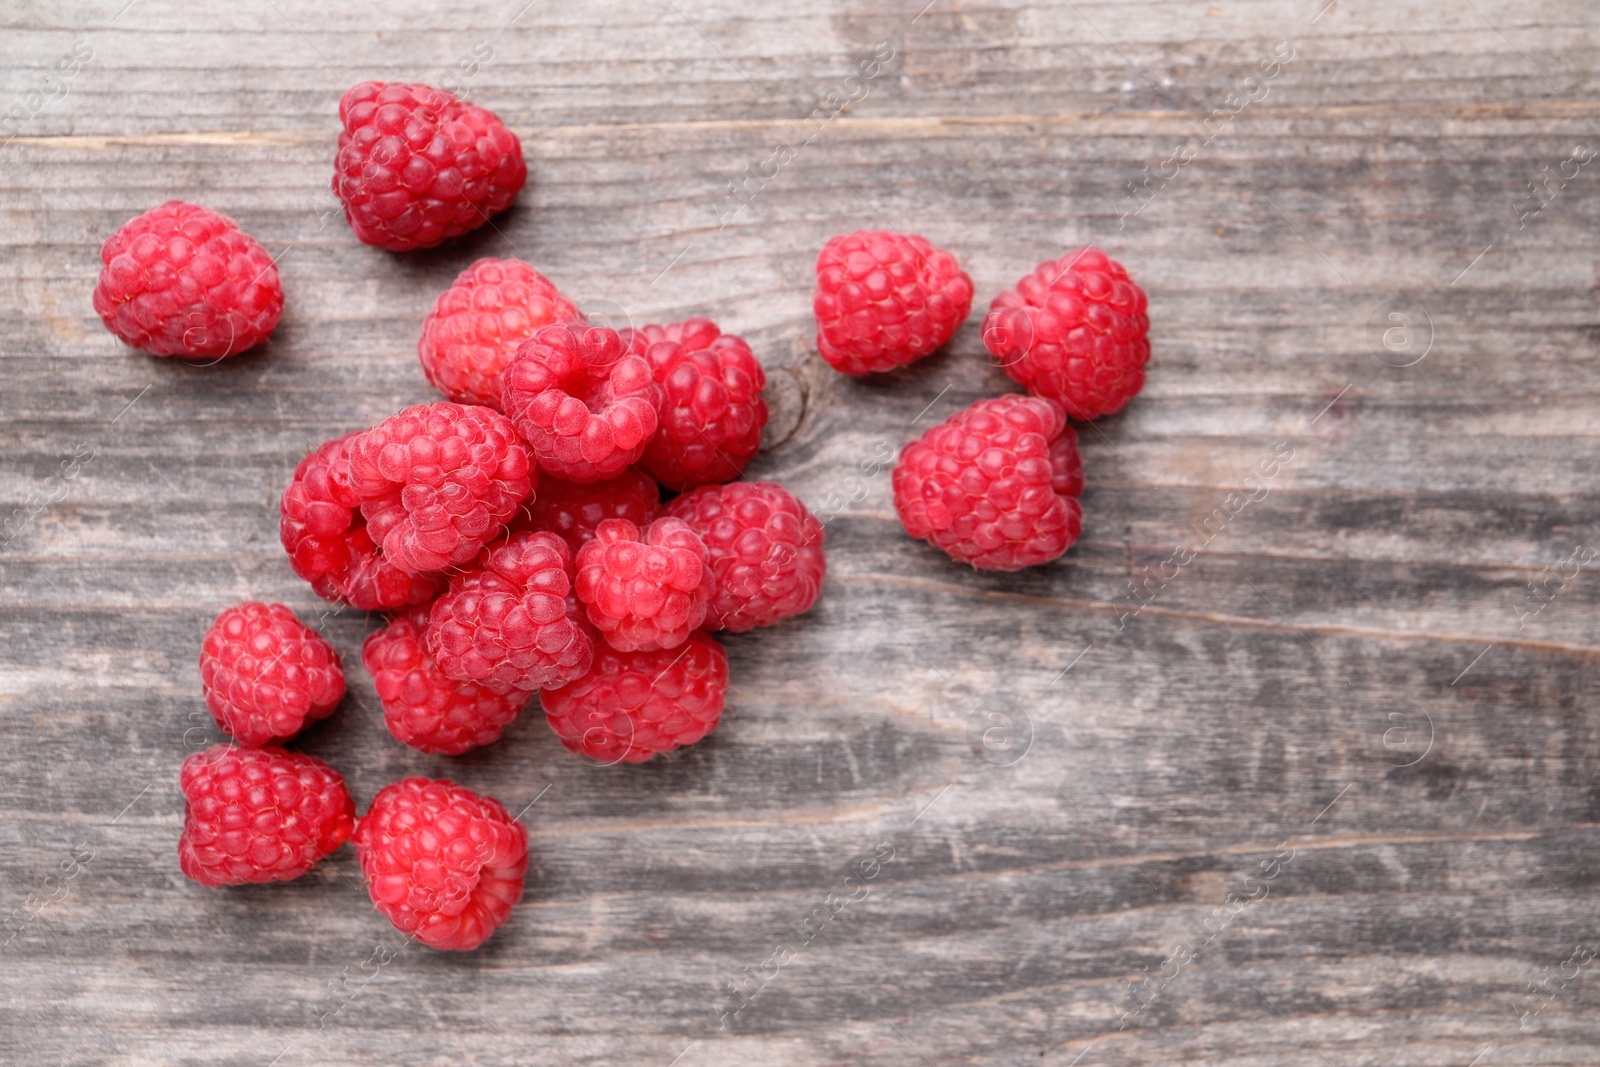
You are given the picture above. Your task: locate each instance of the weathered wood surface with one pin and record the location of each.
(1353, 673)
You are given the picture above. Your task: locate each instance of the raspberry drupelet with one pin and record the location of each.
(417, 166)
(633, 705)
(512, 619)
(442, 864)
(995, 485)
(645, 588)
(423, 708)
(764, 549)
(325, 535)
(712, 411)
(573, 512)
(183, 280)
(439, 481)
(259, 815)
(476, 325)
(886, 299)
(266, 674)
(1073, 331)
(586, 407)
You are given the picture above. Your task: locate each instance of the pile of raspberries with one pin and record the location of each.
(515, 533)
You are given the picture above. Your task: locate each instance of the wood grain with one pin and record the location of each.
(1353, 672)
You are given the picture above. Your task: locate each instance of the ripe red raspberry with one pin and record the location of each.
(645, 589)
(421, 707)
(994, 485)
(511, 620)
(585, 406)
(886, 299)
(764, 547)
(632, 705)
(322, 530)
(712, 410)
(437, 482)
(417, 166)
(266, 674)
(476, 325)
(259, 815)
(182, 280)
(444, 864)
(1074, 331)
(572, 512)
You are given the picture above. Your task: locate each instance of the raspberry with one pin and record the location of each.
(476, 325)
(764, 547)
(322, 530)
(1074, 331)
(259, 815)
(417, 166)
(994, 485)
(266, 674)
(645, 588)
(444, 864)
(439, 481)
(586, 407)
(632, 705)
(182, 280)
(421, 707)
(712, 410)
(572, 512)
(886, 299)
(512, 620)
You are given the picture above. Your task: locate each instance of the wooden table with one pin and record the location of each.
(1324, 795)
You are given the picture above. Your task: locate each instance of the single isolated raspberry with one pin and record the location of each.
(421, 707)
(994, 485)
(512, 619)
(712, 410)
(586, 407)
(645, 588)
(266, 674)
(259, 815)
(416, 166)
(886, 299)
(1074, 331)
(632, 705)
(182, 280)
(444, 864)
(764, 547)
(321, 527)
(476, 325)
(573, 512)
(437, 482)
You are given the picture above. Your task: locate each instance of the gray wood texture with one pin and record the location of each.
(1329, 797)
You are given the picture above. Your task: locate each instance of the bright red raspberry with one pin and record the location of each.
(416, 166)
(994, 485)
(424, 709)
(886, 299)
(322, 529)
(764, 547)
(512, 619)
(182, 280)
(444, 864)
(259, 815)
(476, 325)
(645, 588)
(437, 482)
(632, 705)
(586, 407)
(266, 674)
(712, 410)
(1074, 331)
(573, 512)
